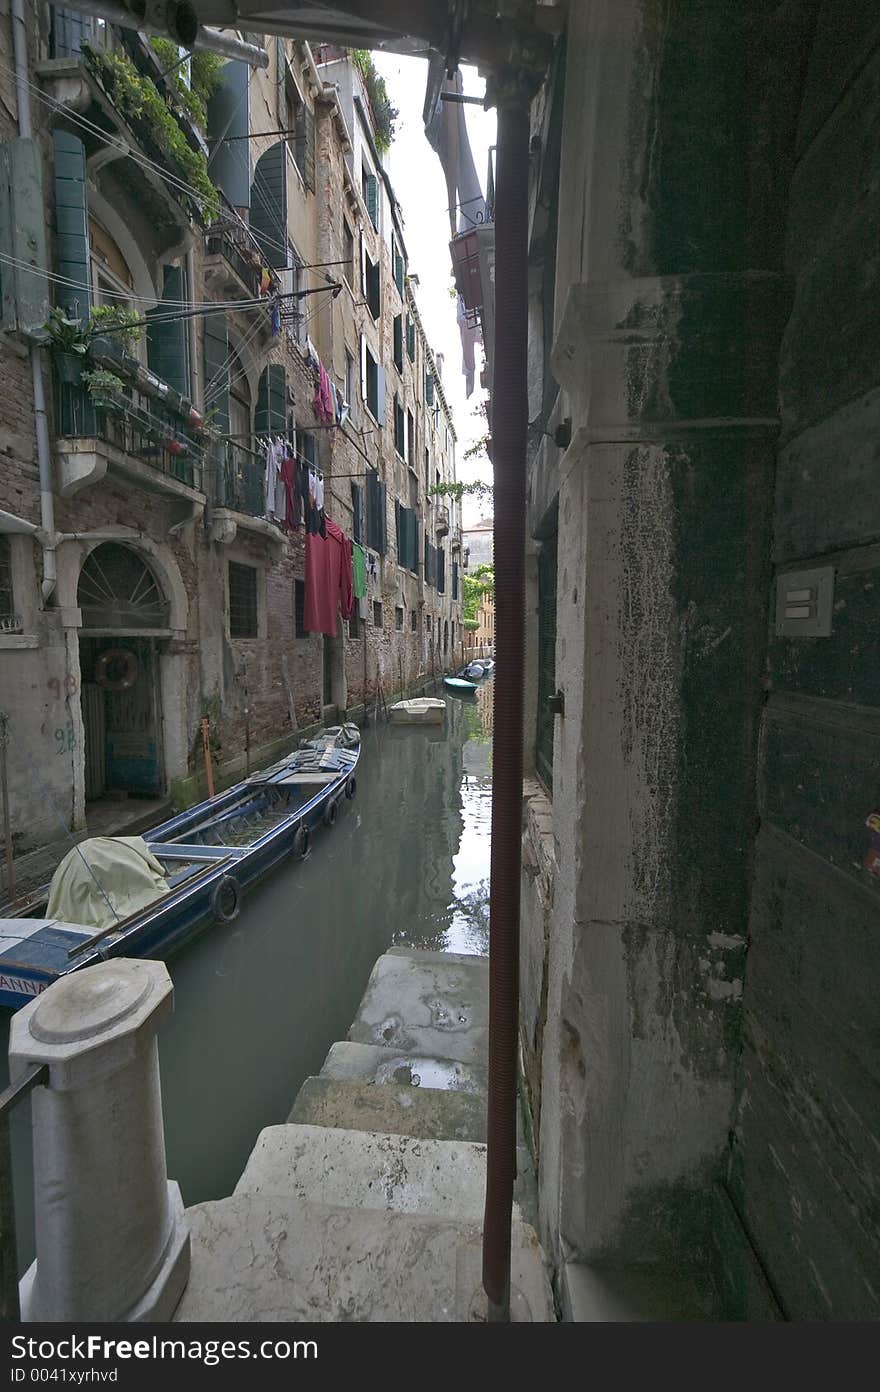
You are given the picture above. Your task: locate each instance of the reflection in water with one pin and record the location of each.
(259, 1002)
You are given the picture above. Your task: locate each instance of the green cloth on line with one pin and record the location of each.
(359, 569)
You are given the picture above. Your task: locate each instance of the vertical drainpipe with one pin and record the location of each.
(195, 376)
(509, 430)
(47, 500)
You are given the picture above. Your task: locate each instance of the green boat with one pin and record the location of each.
(460, 685)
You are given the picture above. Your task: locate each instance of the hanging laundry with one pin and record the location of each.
(322, 401)
(292, 500)
(280, 490)
(276, 317)
(270, 482)
(265, 281)
(359, 571)
(328, 580)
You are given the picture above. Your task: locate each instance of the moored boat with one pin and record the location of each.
(421, 710)
(112, 897)
(461, 685)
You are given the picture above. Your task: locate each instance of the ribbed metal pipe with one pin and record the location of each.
(509, 427)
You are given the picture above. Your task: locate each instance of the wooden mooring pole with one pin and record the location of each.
(206, 747)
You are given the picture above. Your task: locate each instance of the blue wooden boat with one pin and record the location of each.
(210, 855)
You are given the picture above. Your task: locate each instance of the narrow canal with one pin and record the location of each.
(258, 1002)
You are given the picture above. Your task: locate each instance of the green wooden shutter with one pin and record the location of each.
(229, 163)
(441, 570)
(454, 580)
(168, 344)
(429, 389)
(411, 338)
(356, 505)
(216, 359)
(413, 540)
(398, 341)
(280, 81)
(271, 414)
(71, 224)
(373, 199)
(269, 205)
(70, 30)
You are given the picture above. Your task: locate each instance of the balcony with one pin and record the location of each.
(112, 77)
(441, 524)
(233, 265)
(239, 494)
(129, 432)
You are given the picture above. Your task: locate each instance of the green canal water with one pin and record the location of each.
(258, 1002)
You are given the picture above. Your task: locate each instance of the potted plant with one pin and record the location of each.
(105, 388)
(69, 342)
(119, 324)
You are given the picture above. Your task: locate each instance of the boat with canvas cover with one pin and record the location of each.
(132, 896)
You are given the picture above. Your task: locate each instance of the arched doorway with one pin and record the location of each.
(124, 618)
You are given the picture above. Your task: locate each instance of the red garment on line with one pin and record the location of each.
(328, 579)
(288, 478)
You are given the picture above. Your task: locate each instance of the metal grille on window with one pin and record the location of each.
(9, 620)
(299, 609)
(242, 601)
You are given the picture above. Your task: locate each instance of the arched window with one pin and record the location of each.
(112, 281)
(117, 589)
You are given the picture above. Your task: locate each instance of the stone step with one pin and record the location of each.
(593, 1294)
(365, 1169)
(430, 1003)
(261, 1258)
(400, 1109)
(378, 1063)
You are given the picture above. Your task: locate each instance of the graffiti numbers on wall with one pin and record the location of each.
(65, 738)
(65, 686)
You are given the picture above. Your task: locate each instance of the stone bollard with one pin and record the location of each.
(111, 1238)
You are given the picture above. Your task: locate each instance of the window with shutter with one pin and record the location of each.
(373, 288)
(71, 224)
(356, 506)
(399, 429)
(270, 417)
(69, 31)
(410, 437)
(168, 342)
(429, 389)
(370, 191)
(398, 342)
(216, 362)
(377, 530)
(441, 570)
(269, 205)
(454, 580)
(411, 339)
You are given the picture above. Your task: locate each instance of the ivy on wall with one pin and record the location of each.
(139, 100)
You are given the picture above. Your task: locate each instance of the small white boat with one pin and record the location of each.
(421, 710)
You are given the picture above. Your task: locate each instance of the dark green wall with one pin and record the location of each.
(804, 1171)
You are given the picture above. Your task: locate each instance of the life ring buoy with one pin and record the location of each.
(301, 838)
(226, 912)
(114, 657)
(330, 812)
(351, 788)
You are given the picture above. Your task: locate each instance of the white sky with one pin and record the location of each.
(417, 176)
